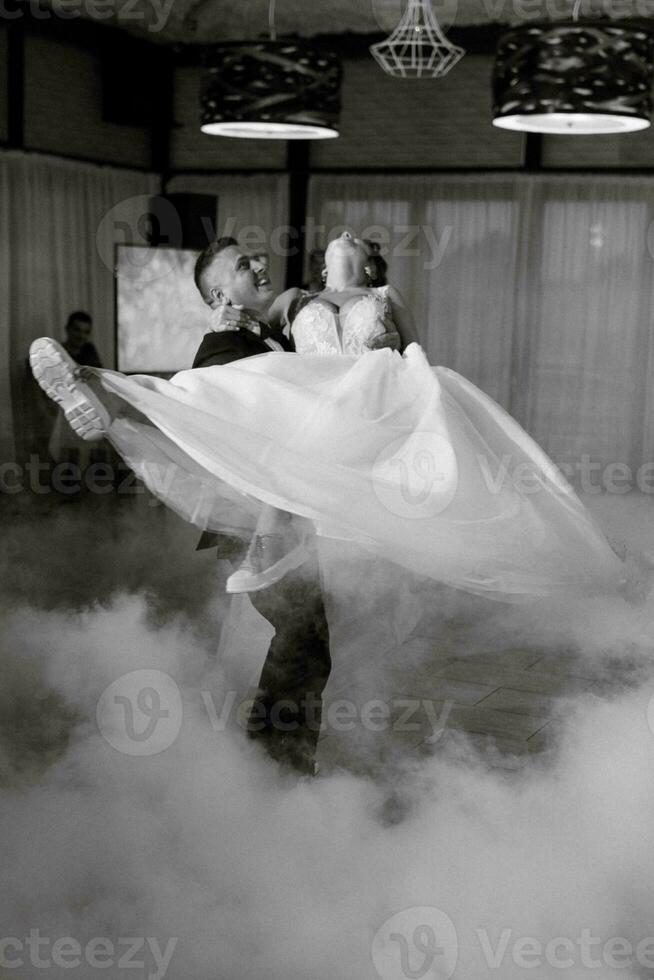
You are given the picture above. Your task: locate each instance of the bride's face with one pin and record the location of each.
(347, 257)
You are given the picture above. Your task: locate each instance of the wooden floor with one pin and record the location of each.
(506, 705)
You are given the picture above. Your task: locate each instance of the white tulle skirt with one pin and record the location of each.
(411, 463)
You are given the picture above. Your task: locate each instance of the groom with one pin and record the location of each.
(285, 715)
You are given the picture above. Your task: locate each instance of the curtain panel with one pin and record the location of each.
(539, 289)
(60, 221)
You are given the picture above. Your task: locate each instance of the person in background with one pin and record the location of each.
(79, 328)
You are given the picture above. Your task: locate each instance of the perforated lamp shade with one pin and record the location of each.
(271, 90)
(574, 78)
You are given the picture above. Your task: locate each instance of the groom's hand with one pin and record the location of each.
(227, 317)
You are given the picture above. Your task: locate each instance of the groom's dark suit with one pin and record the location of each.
(232, 345)
(286, 713)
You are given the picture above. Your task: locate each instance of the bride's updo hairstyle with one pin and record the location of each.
(378, 263)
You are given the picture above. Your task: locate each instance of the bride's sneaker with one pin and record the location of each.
(59, 376)
(267, 561)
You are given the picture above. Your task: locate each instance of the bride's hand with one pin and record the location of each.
(228, 317)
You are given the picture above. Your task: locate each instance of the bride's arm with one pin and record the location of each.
(281, 312)
(402, 318)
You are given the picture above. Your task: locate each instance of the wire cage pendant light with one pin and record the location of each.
(417, 48)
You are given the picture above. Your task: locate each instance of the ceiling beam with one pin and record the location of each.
(478, 39)
(474, 39)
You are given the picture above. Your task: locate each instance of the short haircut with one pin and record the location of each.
(206, 257)
(81, 315)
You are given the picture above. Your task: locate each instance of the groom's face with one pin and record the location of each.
(242, 279)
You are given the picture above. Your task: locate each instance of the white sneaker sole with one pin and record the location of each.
(56, 373)
(243, 581)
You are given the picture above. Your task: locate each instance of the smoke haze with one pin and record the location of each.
(226, 868)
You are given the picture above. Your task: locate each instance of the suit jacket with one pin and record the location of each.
(232, 345)
(223, 348)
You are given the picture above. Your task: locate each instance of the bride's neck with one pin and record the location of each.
(342, 274)
(340, 280)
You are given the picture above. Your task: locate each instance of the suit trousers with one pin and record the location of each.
(287, 708)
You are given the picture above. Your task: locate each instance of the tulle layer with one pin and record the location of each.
(412, 463)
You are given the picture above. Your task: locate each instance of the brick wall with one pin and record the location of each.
(385, 122)
(418, 123)
(400, 123)
(628, 150)
(63, 107)
(192, 149)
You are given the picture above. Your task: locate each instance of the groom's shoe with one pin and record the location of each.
(59, 376)
(267, 561)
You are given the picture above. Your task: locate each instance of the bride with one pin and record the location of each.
(361, 437)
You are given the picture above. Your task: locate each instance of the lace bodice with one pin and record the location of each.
(321, 328)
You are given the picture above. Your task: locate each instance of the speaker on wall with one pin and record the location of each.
(183, 220)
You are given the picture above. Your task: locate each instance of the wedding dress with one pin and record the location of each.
(409, 462)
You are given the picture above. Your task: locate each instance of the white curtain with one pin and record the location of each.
(539, 289)
(584, 333)
(60, 221)
(251, 208)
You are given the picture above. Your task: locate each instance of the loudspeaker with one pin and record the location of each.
(183, 220)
